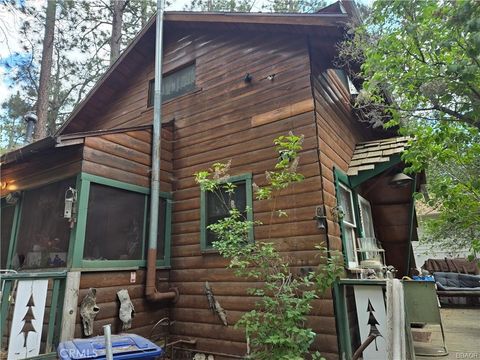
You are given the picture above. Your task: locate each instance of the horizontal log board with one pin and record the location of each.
(126, 156)
(107, 284)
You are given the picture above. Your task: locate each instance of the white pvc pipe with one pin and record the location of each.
(107, 333)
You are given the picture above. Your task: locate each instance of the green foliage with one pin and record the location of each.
(420, 67)
(80, 57)
(276, 328)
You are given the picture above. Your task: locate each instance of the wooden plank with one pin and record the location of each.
(70, 303)
(283, 112)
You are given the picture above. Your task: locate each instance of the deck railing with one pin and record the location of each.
(55, 294)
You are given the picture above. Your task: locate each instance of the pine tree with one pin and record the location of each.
(45, 71)
(372, 321)
(28, 325)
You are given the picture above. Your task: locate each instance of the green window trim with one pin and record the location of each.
(13, 234)
(342, 179)
(75, 259)
(247, 178)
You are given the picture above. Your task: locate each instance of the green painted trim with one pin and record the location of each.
(76, 250)
(203, 210)
(13, 236)
(341, 320)
(5, 304)
(379, 168)
(114, 183)
(106, 268)
(102, 264)
(77, 261)
(35, 275)
(53, 313)
(71, 241)
(203, 221)
(122, 185)
(340, 177)
(168, 235)
(361, 282)
(145, 223)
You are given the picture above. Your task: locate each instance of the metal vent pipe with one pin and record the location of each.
(151, 292)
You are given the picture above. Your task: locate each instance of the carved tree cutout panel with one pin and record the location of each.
(27, 321)
(372, 319)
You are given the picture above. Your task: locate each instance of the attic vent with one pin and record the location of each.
(176, 83)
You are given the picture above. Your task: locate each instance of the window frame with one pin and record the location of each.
(151, 85)
(76, 252)
(350, 227)
(12, 242)
(362, 200)
(247, 178)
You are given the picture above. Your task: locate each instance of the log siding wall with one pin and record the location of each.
(223, 119)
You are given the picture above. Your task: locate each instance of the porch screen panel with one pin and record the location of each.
(8, 212)
(44, 233)
(115, 224)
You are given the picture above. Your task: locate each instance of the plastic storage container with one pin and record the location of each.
(124, 346)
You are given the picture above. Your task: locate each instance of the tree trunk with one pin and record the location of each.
(118, 7)
(143, 14)
(45, 71)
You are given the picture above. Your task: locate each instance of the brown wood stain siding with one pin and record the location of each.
(108, 284)
(126, 157)
(214, 123)
(338, 133)
(45, 168)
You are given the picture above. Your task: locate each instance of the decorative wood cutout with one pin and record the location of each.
(215, 305)
(372, 318)
(27, 321)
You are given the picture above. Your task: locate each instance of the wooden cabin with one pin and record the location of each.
(211, 113)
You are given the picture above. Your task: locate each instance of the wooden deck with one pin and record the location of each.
(462, 334)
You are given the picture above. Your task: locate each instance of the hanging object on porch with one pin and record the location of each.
(371, 315)
(27, 321)
(126, 309)
(215, 305)
(88, 311)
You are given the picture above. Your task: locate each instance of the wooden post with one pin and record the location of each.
(70, 305)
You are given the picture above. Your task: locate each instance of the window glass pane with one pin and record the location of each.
(8, 212)
(115, 222)
(44, 233)
(218, 204)
(350, 250)
(346, 203)
(366, 217)
(174, 84)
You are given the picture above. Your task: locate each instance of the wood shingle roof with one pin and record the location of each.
(370, 153)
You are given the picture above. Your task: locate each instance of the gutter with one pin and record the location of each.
(151, 292)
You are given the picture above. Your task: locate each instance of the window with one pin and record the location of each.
(115, 224)
(214, 208)
(8, 215)
(174, 84)
(112, 228)
(43, 233)
(366, 217)
(345, 199)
